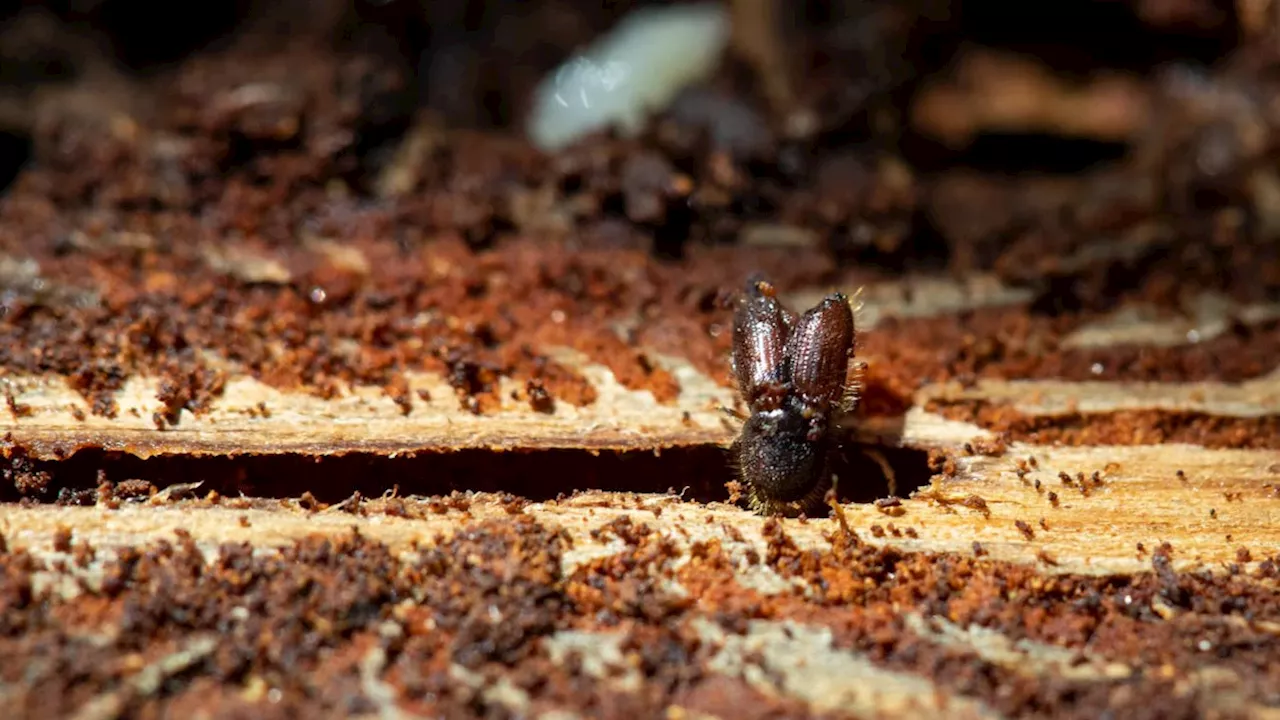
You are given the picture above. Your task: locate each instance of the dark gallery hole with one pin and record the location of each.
(862, 478)
(698, 474)
(1082, 35)
(1015, 154)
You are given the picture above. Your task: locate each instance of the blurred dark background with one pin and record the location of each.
(475, 62)
(899, 133)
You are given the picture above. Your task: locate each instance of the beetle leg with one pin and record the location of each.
(885, 468)
(833, 501)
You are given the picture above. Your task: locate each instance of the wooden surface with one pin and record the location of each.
(288, 218)
(1208, 505)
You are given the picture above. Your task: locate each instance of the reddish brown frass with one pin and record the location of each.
(794, 377)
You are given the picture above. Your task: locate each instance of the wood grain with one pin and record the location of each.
(1217, 510)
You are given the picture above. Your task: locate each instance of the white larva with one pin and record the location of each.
(635, 70)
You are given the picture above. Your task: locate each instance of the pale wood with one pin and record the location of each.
(1142, 501)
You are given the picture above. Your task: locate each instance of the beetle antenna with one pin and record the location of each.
(833, 501)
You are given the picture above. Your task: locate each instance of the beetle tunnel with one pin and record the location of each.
(698, 474)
